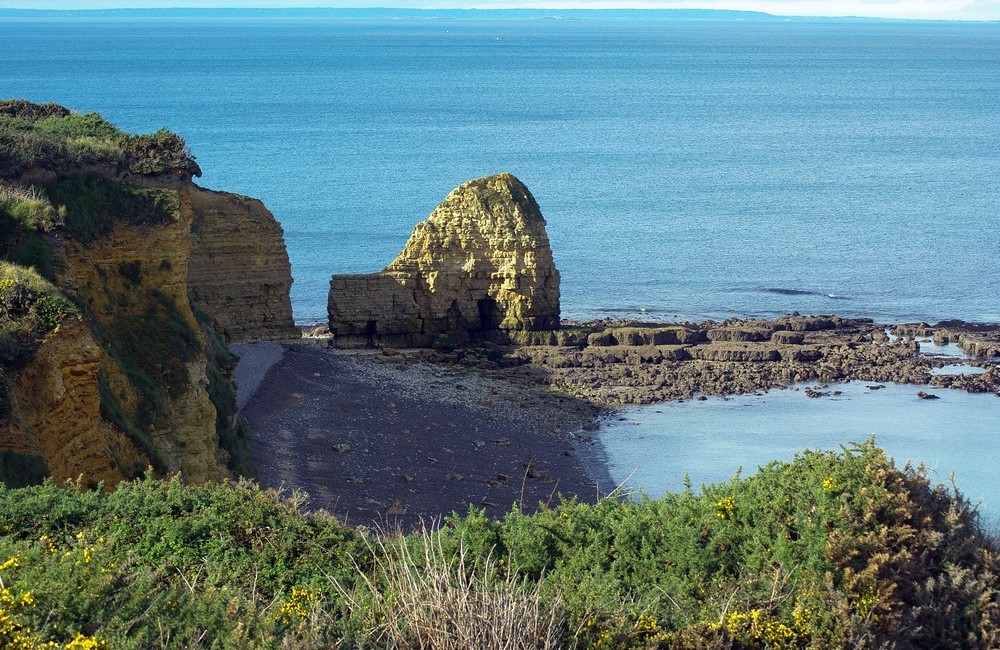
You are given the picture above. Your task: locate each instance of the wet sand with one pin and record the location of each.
(376, 442)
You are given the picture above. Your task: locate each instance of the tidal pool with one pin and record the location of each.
(651, 448)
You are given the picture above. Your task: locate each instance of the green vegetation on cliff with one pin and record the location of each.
(91, 205)
(30, 307)
(830, 550)
(50, 137)
(67, 181)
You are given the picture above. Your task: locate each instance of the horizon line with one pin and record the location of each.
(551, 12)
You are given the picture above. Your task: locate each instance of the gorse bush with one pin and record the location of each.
(48, 136)
(828, 551)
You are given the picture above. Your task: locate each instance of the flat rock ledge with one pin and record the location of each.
(611, 363)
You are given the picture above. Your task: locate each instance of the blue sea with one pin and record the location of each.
(687, 167)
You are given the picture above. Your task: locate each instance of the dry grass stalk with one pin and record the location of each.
(427, 599)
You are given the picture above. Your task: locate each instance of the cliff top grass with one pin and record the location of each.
(830, 550)
(30, 307)
(52, 138)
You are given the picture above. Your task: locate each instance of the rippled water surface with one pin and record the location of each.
(686, 168)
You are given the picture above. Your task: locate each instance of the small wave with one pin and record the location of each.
(790, 292)
(833, 296)
(630, 310)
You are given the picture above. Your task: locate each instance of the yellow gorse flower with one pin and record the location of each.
(298, 606)
(725, 508)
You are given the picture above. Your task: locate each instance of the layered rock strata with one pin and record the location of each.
(481, 262)
(133, 287)
(239, 271)
(630, 364)
(57, 414)
(158, 272)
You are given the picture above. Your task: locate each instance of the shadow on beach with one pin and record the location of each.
(393, 444)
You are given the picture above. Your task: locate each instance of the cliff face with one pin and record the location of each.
(58, 412)
(157, 270)
(480, 262)
(133, 286)
(239, 271)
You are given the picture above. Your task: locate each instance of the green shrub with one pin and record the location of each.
(828, 551)
(93, 205)
(30, 307)
(159, 152)
(30, 111)
(89, 125)
(48, 136)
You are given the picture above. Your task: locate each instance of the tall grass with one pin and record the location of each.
(423, 597)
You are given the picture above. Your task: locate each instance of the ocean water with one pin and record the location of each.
(686, 168)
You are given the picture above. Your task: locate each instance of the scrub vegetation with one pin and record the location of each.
(50, 137)
(830, 550)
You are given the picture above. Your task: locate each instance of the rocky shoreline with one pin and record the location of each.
(392, 436)
(612, 363)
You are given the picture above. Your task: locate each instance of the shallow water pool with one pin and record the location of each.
(651, 448)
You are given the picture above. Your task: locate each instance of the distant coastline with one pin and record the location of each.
(456, 14)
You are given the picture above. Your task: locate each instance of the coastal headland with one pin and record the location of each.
(444, 383)
(444, 380)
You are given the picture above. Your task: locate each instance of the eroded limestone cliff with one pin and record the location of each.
(126, 279)
(480, 262)
(239, 271)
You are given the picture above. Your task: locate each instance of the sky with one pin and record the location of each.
(924, 9)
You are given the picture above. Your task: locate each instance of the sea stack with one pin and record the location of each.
(480, 263)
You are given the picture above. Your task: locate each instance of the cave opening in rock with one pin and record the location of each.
(489, 314)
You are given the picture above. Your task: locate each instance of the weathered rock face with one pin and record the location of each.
(239, 272)
(133, 285)
(480, 262)
(150, 272)
(57, 413)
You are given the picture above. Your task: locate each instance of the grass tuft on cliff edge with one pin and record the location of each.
(53, 138)
(829, 550)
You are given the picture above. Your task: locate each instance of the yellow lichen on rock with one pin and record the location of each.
(480, 262)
